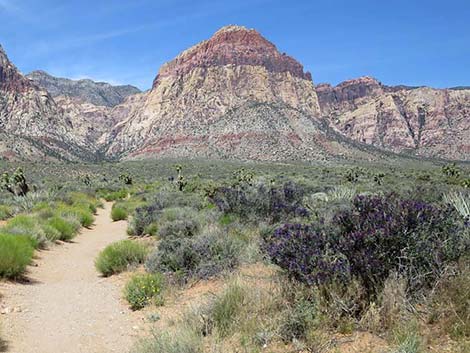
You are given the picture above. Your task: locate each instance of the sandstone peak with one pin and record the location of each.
(232, 28)
(363, 80)
(237, 46)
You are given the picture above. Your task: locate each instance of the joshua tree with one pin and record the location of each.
(451, 170)
(180, 180)
(243, 177)
(126, 179)
(16, 184)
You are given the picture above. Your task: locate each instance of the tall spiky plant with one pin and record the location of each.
(460, 201)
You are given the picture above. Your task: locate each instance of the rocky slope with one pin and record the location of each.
(232, 96)
(31, 123)
(88, 91)
(418, 120)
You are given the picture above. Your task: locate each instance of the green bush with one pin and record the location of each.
(115, 195)
(66, 228)
(225, 309)
(89, 201)
(28, 226)
(118, 213)
(16, 253)
(52, 234)
(81, 213)
(5, 212)
(144, 289)
(119, 256)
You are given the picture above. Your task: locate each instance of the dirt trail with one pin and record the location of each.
(67, 307)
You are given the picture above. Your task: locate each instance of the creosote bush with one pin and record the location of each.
(145, 289)
(119, 256)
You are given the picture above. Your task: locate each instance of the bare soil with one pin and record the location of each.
(64, 305)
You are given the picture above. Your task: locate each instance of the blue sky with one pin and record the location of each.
(399, 42)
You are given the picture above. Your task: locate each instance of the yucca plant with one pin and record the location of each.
(460, 201)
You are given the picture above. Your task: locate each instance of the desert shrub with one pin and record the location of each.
(145, 218)
(81, 212)
(379, 235)
(28, 226)
(84, 200)
(407, 339)
(451, 304)
(170, 199)
(143, 221)
(184, 340)
(178, 222)
(118, 213)
(299, 316)
(144, 289)
(44, 210)
(201, 256)
(460, 201)
(67, 228)
(224, 310)
(259, 201)
(115, 195)
(27, 202)
(5, 212)
(119, 256)
(51, 233)
(16, 253)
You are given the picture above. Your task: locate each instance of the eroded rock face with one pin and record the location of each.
(88, 91)
(237, 46)
(192, 95)
(29, 117)
(88, 121)
(419, 120)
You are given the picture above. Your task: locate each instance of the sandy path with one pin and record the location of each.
(68, 307)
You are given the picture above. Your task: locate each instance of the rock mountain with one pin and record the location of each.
(233, 96)
(31, 123)
(419, 120)
(96, 93)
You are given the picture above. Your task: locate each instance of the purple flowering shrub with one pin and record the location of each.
(261, 202)
(377, 236)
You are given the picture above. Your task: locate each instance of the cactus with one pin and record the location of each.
(15, 184)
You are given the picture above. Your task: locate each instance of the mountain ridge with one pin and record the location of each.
(97, 93)
(235, 95)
